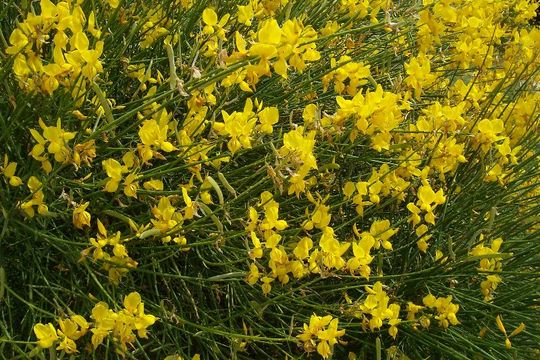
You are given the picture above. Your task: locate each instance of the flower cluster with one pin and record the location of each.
(313, 149)
(490, 264)
(376, 309)
(41, 68)
(111, 251)
(445, 309)
(124, 326)
(321, 334)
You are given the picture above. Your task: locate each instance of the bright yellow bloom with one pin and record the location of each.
(321, 334)
(18, 42)
(377, 306)
(268, 117)
(362, 258)
(238, 126)
(54, 141)
(38, 198)
(355, 74)
(489, 132)
(257, 251)
(320, 218)
(154, 133)
(153, 185)
(489, 262)
(121, 324)
(271, 212)
(131, 185)
(253, 275)
(114, 171)
(81, 217)
(332, 249)
(382, 232)
(268, 36)
(70, 331)
(419, 74)
(446, 310)
(301, 251)
(167, 218)
(113, 3)
(210, 18)
(46, 335)
(245, 13)
(266, 287)
(8, 169)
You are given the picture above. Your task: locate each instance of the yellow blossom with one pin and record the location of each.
(46, 335)
(322, 332)
(81, 217)
(8, 169)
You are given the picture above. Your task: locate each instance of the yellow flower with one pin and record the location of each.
(215, 28)
(132, 303)
(394, 320)
(114, 171)
(104, 323)
(332, 249)
(67, 345)
(362, 257)
(271, 212)
(419, 74)
(272, 240)
(156, 25)
(253, 275)
(238, 126)
(210, 19)
(46, 335)
(56, 140)
(381, 231)
(347, 70)
(167, 218)
(121, 324)
(142, 322)
(37, 198)
(268, 36)
(297, 150)
(82, 325)
(70, 331)
(81, 217)
(245, 14)
(488, 132)
(268, 117)
(489, 262)
(266, 287)
(331, 333)
(113, 3)
(154, 133)
(377, 306)
(323, 348)
(8, 170)
(257, 251)
(18, 42)
(131, 185)
(301, 251)
(321, 329)
(92, 26)
(446, 310)
(320, 218)
(153, 185)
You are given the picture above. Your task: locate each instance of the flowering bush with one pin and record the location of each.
(269, 179)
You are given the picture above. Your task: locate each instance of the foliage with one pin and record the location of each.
(269, 179)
